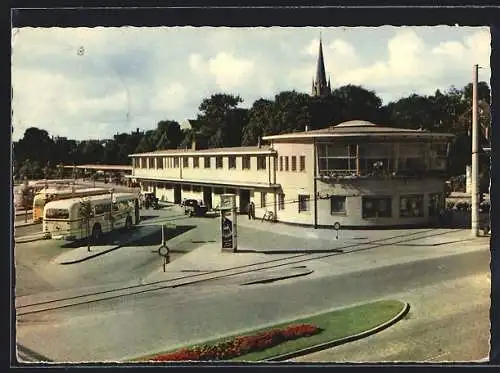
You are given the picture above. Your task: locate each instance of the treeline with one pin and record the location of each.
(220, 122)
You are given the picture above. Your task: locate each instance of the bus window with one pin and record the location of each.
(102, 208)
(57, 214)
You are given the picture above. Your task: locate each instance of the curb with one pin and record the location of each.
(337, 342)
(271, 252)
(273, 279)
(23, 224)
(26, 239)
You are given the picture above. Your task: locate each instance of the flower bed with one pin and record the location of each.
(240, 345)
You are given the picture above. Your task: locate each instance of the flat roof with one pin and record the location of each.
(215, 183)
(120, 167)
(65, 202)
(213, 151)
(357, 128)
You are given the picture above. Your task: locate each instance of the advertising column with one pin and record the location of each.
(228, 222)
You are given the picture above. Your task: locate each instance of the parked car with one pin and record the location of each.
(194, 208)
(150, 200)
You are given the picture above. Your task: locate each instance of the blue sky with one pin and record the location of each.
(129, 77)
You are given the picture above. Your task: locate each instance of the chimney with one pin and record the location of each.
(193, 144)
(258, 142)
(307, 128)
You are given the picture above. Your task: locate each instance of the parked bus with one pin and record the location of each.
(54, 194)
(63, 219)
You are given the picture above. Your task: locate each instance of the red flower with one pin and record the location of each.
(241, 345)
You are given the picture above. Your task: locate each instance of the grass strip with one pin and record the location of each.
(336, 325)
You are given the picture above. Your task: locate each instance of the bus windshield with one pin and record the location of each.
(57, 214)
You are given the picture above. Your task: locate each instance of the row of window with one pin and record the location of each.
(284, 164)
(372, 207)
(174, 162)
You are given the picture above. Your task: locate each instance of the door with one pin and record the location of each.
(177, 194)
(207, 197)
(244, 200)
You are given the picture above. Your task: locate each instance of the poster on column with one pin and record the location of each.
(227, 233)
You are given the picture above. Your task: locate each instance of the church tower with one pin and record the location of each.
(320, 87)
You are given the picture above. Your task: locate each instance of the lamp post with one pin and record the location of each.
(111, 192)
(475, 160)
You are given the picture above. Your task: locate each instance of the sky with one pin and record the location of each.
(91, 83)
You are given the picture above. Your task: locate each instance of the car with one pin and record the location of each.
(150, 200)
(194, 208)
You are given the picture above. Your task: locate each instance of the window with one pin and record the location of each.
(435, 204)
(151, 162)
(302, 163)
(186, 188)
(294, 163)
(218, 191)
(411, 206)
(206, 162)
(337, 205)
(303, 203)
(159, 162)
(246, 162)
(102, 208)
(232, 161)
(262, 199)
(286, 163)
(185, 162)
(196, 162)
(176, 162)
(281, 163)
(57, 214)
(261, 162)
(281, 201)
(218, 162)
(377, 207)
(196, 188)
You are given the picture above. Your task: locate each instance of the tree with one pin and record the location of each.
(35, 144)
(260, 121)
(218, 122)
(147, 142)
(168, 135)
(357, 102)
(86, 214)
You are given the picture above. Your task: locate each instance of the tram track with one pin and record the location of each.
(100, 296)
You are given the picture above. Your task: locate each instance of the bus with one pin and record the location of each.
(62, 219)
(54, 194)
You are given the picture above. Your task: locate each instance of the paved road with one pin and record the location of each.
(440, 327)
(130, 326)
(163, 319)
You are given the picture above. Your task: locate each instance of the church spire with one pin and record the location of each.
(320, 85)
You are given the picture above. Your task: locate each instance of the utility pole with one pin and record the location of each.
(475, 160)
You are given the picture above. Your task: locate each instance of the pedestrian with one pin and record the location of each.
(249, 210)
(252, 209)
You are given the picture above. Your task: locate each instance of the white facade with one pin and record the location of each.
(356, 174)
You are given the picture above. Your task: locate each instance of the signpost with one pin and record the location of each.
(336, 226)
(163, 250)
(228, 222)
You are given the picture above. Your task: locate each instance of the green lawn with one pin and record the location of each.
(335, 324)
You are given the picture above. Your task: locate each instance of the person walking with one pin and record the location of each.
(249, 210)
(252, 209)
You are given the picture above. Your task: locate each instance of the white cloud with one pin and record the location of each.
(170, 97)
(163, 73)
(230, 72)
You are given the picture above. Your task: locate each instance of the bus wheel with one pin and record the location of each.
(96, 233)
(128, 223)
